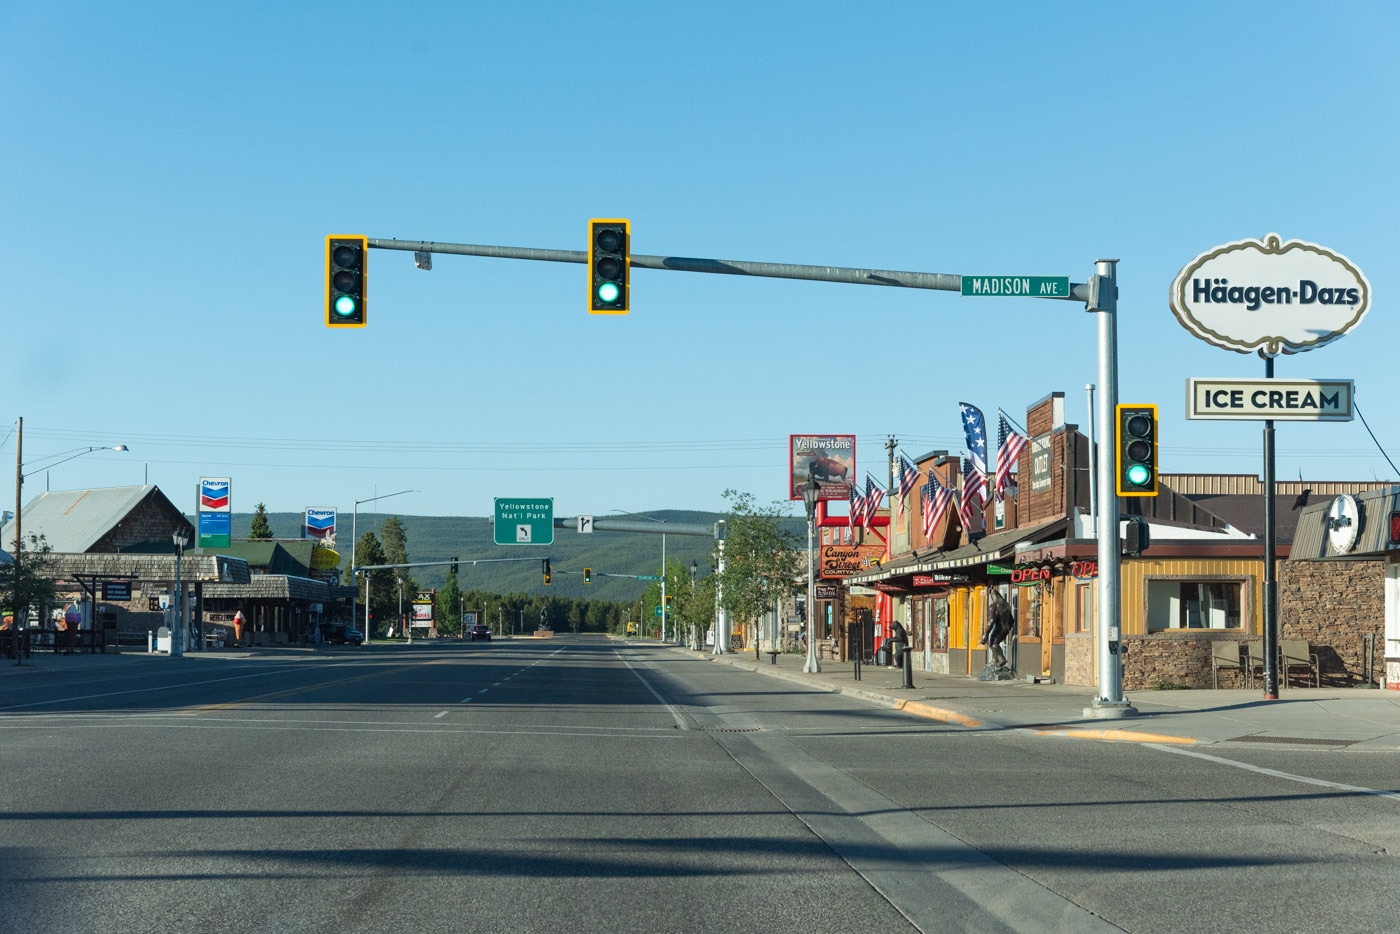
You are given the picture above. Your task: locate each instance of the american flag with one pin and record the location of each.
(972, 484)
(874, 495)
(908, 479)
(1010, 444)
(857, 505)
(975, 430)
(937, 497)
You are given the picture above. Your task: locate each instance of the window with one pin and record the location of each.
(1084, 606)
(1205, 604)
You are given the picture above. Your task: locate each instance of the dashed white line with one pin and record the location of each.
(440, 715)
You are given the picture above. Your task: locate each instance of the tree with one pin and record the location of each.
(762, 559)
(383, 587)
(449, 604)
(28, 584)
(260, 531)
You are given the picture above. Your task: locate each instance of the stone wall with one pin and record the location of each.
(1079, 658)
(1175, 660)
(1332, 604)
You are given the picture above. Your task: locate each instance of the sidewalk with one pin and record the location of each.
(1335, 718)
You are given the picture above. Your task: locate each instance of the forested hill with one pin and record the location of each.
(437, 538)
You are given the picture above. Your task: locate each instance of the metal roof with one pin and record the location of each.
(73, 521)
(1372, 539)
(997, 546)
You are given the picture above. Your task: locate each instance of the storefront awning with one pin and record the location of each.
(999, 546)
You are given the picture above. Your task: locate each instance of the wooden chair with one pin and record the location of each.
(1224, 655)
(1294, 654)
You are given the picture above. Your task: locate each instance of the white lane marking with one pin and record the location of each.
(465, 700)
(440, 715)
(286, 726)
(483, 690)
(1286, 776)
(675, 714)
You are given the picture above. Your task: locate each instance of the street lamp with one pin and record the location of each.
(354, 536)
(721, 615)
(663, 566)
(694, 574)
(177, 634)
(810, 490)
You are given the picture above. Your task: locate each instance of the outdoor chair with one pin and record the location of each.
(1295, 654)
(1224, 655)
(1256, 662)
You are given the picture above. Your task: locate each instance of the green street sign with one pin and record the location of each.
(1025, 286)
(998, 569)
(524, 521)
(657, 612)
(648, 577)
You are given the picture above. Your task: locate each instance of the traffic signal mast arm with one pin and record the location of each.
(1079, 292)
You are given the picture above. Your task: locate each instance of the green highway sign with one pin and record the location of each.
(1029, 286)
(524, 521)
(657, 612)
(648, 577)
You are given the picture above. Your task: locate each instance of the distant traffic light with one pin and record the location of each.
(670, 601)
(588, 575)
(454, 564)
(544, 568)
(345, 280)
(1137, 450)
(608, 265)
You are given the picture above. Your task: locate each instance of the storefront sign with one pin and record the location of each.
(1084, 570)
(1025, 577)
(1294, 400)
(116, 591)
(1040, 463)
(839, 561)
(935, 580)
(826, 591)
(1270, 295)
(831, 459)
(998, 569)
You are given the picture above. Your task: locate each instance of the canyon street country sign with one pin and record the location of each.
(1306, 400)
(1270, 295)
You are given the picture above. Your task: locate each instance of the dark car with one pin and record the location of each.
(343, 635)
(481, 632)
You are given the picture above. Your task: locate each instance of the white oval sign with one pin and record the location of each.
(1269, 295)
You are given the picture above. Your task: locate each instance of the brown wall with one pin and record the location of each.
(1332, 604)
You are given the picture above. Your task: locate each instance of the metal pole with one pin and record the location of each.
(354, 590)
(721, 615)
(177, 644)
(367, 608)
(1109, 702)
(812, 665)
(663, 586)
(1270, 546)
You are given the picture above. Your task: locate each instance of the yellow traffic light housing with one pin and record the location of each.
(609, 263)
(345, 280)
(588, 575)
(1136, 449)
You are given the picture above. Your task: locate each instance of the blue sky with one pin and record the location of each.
(171, 172)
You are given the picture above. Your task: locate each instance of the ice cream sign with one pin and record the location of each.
(1270, 295)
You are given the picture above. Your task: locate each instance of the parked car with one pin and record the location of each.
(481, 632)
(343, 635)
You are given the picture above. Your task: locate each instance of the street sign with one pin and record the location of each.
(585, 524)
(648, 577)
(1294, 400)
(657, 612)
(524, 521)
(1028, 286)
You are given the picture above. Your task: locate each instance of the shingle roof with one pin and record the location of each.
(72, 521)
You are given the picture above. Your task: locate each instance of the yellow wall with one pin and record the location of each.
(1136, 570)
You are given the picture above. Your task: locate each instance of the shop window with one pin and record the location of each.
(1084, 608)
(1205, 604)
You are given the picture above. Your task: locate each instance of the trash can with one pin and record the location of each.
(882, 657)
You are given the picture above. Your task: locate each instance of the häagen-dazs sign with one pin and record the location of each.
(1270, 295)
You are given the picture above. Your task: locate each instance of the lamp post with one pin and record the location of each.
(694, 574)
(177, 634)
(354, 536)
(810, 490)
(721, 615)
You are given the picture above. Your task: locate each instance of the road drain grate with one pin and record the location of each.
(1293, 740)
(733, 729)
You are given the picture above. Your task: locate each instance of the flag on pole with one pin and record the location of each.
(874, 495)
(967, 504)
(937, 497)
(975, 430)
(1010, 444)
(908, 479)
(857, 505)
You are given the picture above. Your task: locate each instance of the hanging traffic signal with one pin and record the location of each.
(588, 575)
(1137, 450)
(544, 568)
(454, 564)
(345, 281)
(608, 264)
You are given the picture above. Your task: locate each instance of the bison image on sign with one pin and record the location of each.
(828, 459)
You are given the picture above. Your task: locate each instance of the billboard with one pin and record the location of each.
(831, 459)
(838, 561)
(319, 523)
(214, 494)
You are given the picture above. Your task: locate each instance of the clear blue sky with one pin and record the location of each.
(171, 171)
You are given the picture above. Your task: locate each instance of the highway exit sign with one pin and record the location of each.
(1024, 286)
(524, 521)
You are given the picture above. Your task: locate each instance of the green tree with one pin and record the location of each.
(260, 531)
(447, 612)
(762, 558)
(28, 584)
(383, 587)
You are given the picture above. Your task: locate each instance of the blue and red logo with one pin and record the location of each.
(213, 495)
(320, 523)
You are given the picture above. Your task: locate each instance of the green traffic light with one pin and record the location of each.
(1139, 475)
(609, 292)
(345, 306)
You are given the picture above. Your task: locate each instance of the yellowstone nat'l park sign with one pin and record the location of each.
(1270, 295)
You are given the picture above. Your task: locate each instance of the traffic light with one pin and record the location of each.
(544, 568)
(454, 564)
(345, 281)
(1137, 450)
(670, 601)
(588, 575)
(608, 265)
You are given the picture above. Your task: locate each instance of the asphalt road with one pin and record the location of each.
(581, 784)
